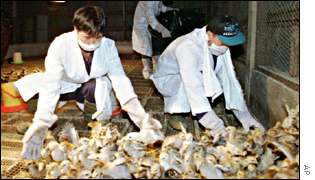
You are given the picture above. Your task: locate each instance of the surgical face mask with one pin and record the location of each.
(217, 50)
(89, 47)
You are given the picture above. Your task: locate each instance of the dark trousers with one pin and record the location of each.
(86, 91)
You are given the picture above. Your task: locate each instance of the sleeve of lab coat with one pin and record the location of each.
(192, 78)
(120, 82)
(149, 13)
(49, 92)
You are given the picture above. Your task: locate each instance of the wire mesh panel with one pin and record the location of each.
(278, 36)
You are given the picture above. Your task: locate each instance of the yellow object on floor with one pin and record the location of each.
(11, 100)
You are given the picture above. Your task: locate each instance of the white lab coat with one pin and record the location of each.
(65, 72)
(145, 15)
(185, 76)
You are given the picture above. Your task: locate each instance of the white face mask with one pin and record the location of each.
(217, 50)
(89, 47)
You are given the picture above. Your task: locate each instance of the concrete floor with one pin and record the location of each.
(11, 144)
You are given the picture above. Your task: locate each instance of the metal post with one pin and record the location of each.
(251, 46)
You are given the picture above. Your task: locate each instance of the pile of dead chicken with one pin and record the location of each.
(149, 155)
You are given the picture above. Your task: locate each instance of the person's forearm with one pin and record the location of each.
(135, 111)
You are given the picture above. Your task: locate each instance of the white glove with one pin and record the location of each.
(171, 9)
(161, 29)
(166, 33)
(33, 140)
(150, 123)
(139, 116)
(211, 121)
(247, 120)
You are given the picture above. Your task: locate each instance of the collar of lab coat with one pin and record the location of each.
(213, 87)
(97, 60)
(211, 83)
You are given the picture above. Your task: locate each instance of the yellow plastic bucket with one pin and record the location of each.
(11, 100)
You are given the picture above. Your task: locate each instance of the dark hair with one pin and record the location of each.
(219, 24)
(167, 2)
(90, 19)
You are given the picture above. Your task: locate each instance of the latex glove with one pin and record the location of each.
(139, 116)
(33, 140)
(150, 123)
(171, 9)
(161, 29)
(247, 120)
(166, 33)
(211, 121)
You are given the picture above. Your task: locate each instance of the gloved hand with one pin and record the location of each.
(33, 140)
(166, 33)
(139, 116)
(150, 123)
(161, 29)
(171, 9)
(247, 120)
(211, 121)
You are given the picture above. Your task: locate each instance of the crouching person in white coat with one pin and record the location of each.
(187, 74)
(145, 15)
(67, 72)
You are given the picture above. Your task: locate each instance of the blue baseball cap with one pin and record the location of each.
(227, 29)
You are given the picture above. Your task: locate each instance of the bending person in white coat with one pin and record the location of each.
(66, 72)
(186, 74)
(145, 15)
